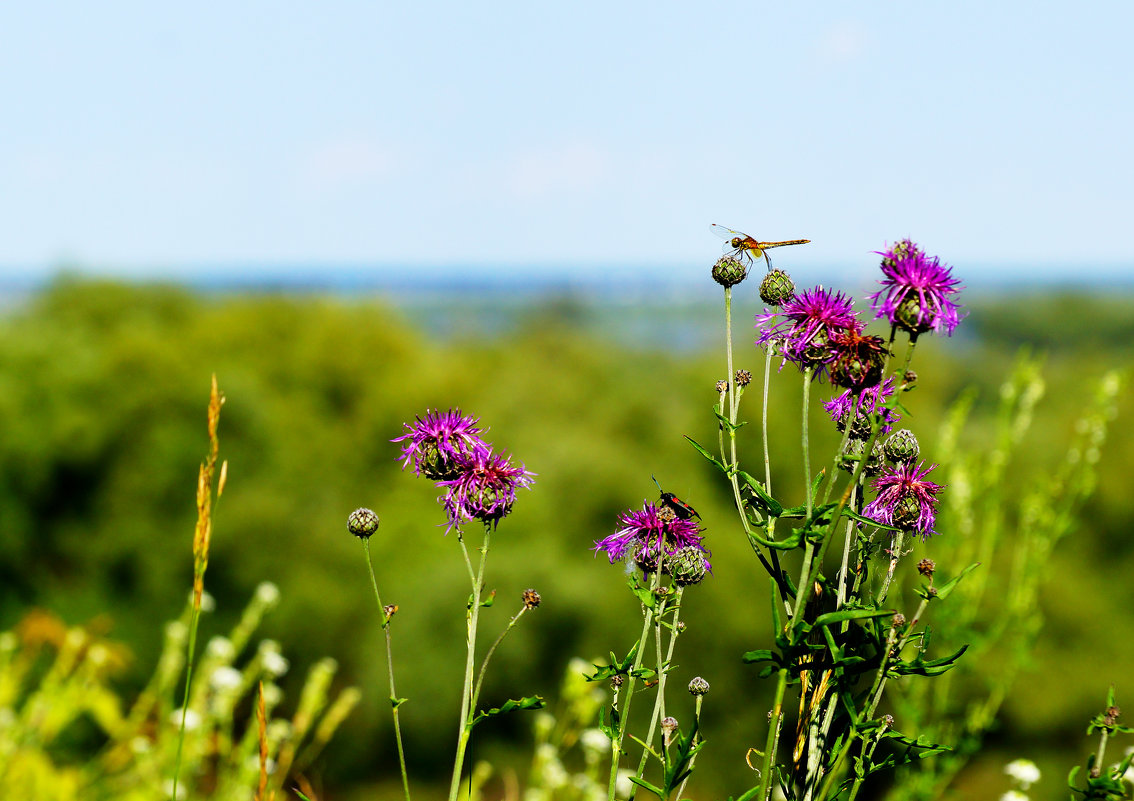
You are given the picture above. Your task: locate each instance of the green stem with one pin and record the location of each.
(803, 589)
(895, 555)
(389, 669)
(616, 744)
(730, 458)
(771, 745)
(185, 699)
(491, 651)
(697, 722)
(467, 711)
(856, 401)
(806, 444)
(659, 702)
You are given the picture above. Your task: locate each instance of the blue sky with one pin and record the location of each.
(161, 138)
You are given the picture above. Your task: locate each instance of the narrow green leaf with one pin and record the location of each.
(944, 590)
(528, 702)
(933, 667)
(817, 481)
(851, 614)
(761, 655)
(777, 616)
(748, 796)
(645, 784)
(706, 454)
(396, 702)
(856, 516)
(773, 507)
(728, 424)
(786, 544)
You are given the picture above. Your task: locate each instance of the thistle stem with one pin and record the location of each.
(488, 656)
(773, 742)
(389, 669)
(467, 711)
(616, 744)
(730, 458)
(659, 702)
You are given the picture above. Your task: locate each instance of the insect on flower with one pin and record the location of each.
(741, 245)
(676, 505)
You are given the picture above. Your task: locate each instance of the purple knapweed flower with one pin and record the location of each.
(916, 290)
(811, 321)
(438, 441)
(484, 487)
(905, 499)
(645, 533)
(873, 401)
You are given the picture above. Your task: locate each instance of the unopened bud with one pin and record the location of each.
(722, 386)
(743, 378)
(901, 446)
(531, 599)
(776, 288)
(362, 523)
(926, 567)
(729, 272)
(686, 566)
(698, 686)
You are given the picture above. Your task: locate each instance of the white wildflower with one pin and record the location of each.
(226, 679)
(272, 695)
(623, 787)
(221, 648)
(1014, 795)
(253, 765)
(1024, 771)
(275, 663)
(267, 593)
(192, 719)
(594, 740)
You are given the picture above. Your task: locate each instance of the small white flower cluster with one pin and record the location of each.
(1024, 774)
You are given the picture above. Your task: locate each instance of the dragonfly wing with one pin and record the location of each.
(727, 233)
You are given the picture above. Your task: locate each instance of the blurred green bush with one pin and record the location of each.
(102, 394)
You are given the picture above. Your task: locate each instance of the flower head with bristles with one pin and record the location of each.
(484, 487)
(436, 443)
(643, 534)
(906, 499)
(872, 401)
(812, 321)
(915, 291)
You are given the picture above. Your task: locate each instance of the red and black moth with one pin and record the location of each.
(676, 505)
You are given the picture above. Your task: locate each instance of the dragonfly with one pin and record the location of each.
(741, 245)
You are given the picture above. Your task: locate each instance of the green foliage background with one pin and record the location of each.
(102, 398)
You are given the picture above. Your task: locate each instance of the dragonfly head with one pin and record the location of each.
(736, 241)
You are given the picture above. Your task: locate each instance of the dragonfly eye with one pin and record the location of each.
(736, 241)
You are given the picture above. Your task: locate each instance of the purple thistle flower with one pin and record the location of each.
(916, 290)
(812, 320)
(905, 499)
(873, 401)
(484, 487)
(646, 533)
(438, 442)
